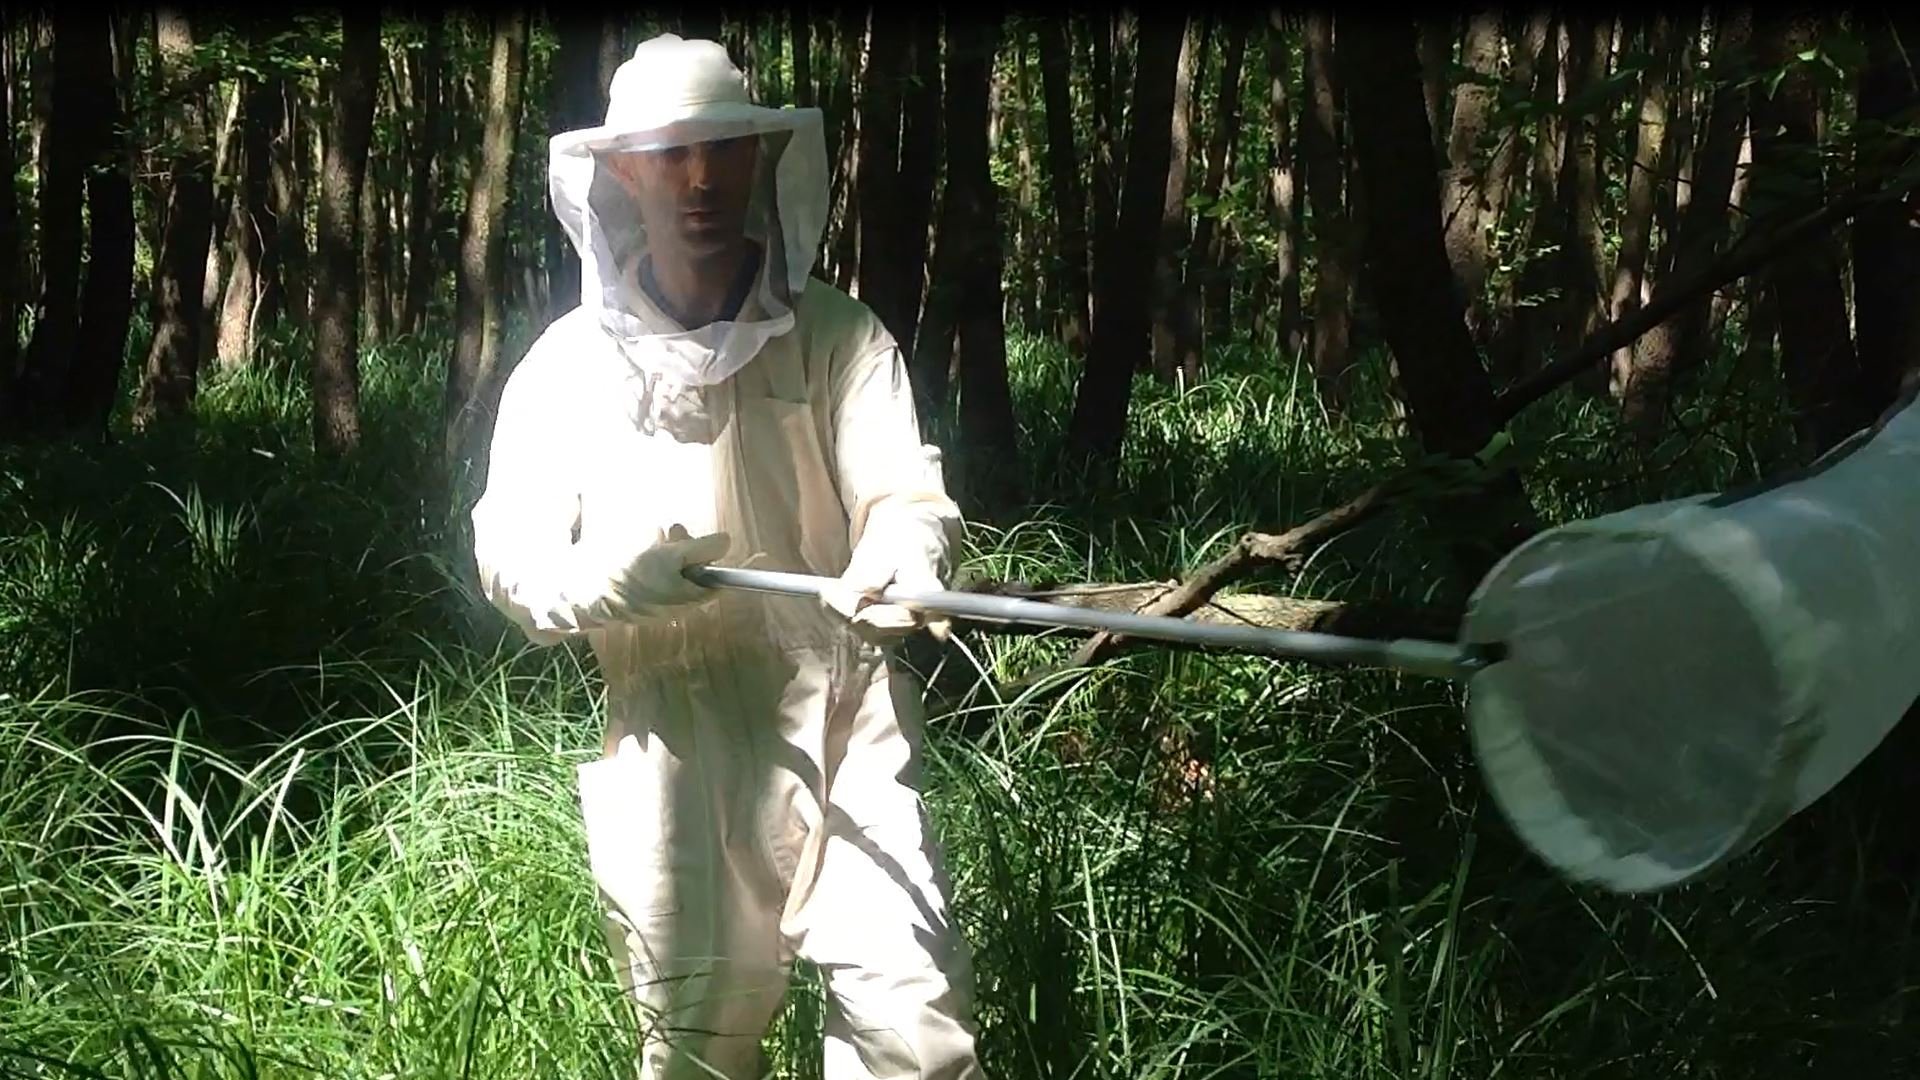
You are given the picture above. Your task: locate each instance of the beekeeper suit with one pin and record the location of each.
(708, 401)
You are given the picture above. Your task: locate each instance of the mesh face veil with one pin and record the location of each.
(675, 93)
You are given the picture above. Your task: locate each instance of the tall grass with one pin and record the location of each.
(278, 797)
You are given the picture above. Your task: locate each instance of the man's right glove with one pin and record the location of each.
(652, 581)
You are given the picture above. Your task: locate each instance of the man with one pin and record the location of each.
(707, 401)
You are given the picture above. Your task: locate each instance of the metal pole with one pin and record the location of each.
(1437, 659)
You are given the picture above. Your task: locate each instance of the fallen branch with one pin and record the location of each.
(1257, 550)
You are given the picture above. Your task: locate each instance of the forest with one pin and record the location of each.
(1286, 316)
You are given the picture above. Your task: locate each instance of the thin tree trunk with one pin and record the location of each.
(1636, 219)
(249, 231)
(1436, 37)
(987, 430)
(1450, 403)
(68, 139)
(1121, 325)
(1816, 350)
(878, 177)
(1206, 270)
(1589, 42)
(226, 165)
(1677, 162)
(476, 373)
(286, 202)
(172, 370)
(1529, 326)
(12, 245)
(1034, 231)
(1681, 342)
(1464, 200)
(1282, 195)
(1063, 175)
(106, 301)
(844, 235)
(1173, 315)
(430, 131)
(1886, 239)
(1106, 132)
(577, 99)
(1333, 245)
(919, 174)
(336, 295)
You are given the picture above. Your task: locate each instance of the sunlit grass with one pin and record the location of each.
(279, 798)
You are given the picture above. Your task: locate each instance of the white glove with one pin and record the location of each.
(882, 558)
(652, 581)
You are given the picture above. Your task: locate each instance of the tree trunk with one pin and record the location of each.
(578, 99)
(12, 242)
(1465, 190)
(845, 231)
(878, 176)
(1677, 162)
(106, 301)
(990, 449)
(1063, 175)
(1121, 323)
(1681, 342)
(68, 140)
(1450, 401)
(286, 202)
(1589, 41)
(919, 174)
(1282, 199)
(1333, 244)
(173, 362)
(336, 293)
(429, 131)
(1636, 219)
(1206, 270)
(1173, 315)
(1436, 34)
(1100, 30)
(475, 374)
(801, 30)
(226, 165)
(1529, 328)
(1886, 240)
(250, 229)
(1816, 350)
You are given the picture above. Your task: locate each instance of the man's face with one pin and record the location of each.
(692, 198)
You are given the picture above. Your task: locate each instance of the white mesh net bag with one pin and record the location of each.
(1681, 677)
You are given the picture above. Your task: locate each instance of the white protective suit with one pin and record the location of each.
(757, 799)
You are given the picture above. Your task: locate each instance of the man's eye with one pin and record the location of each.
(672, 155)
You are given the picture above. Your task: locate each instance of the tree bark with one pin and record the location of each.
(336, 293)
(1063, 175)
(251, 230)
(1174, 332)
(226, 166)
(843, 234)
(1886, 238)
(1643, 181)
(1206, 269)
(878, 176)
(429, 131)
(1589, 42)
(1121, 324)
(988, 433)
(106, 301)
(1100, 31)
(1466, 190)
(475, 374)
(286, 202)
(1333, 244)
(919, 174)
(1678, 344)
(1816, 349)
(1450, 402)
(1677, 163)
(67, 140)
(1436, 36)
(12, 243)
(171, 377)
(1528, 320)
(802, 34)
(1282, 195)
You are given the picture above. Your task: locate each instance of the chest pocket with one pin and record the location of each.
(791, 506)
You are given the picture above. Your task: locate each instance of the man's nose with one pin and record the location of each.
(699, 166)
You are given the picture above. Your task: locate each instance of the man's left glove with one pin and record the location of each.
(886, 557)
